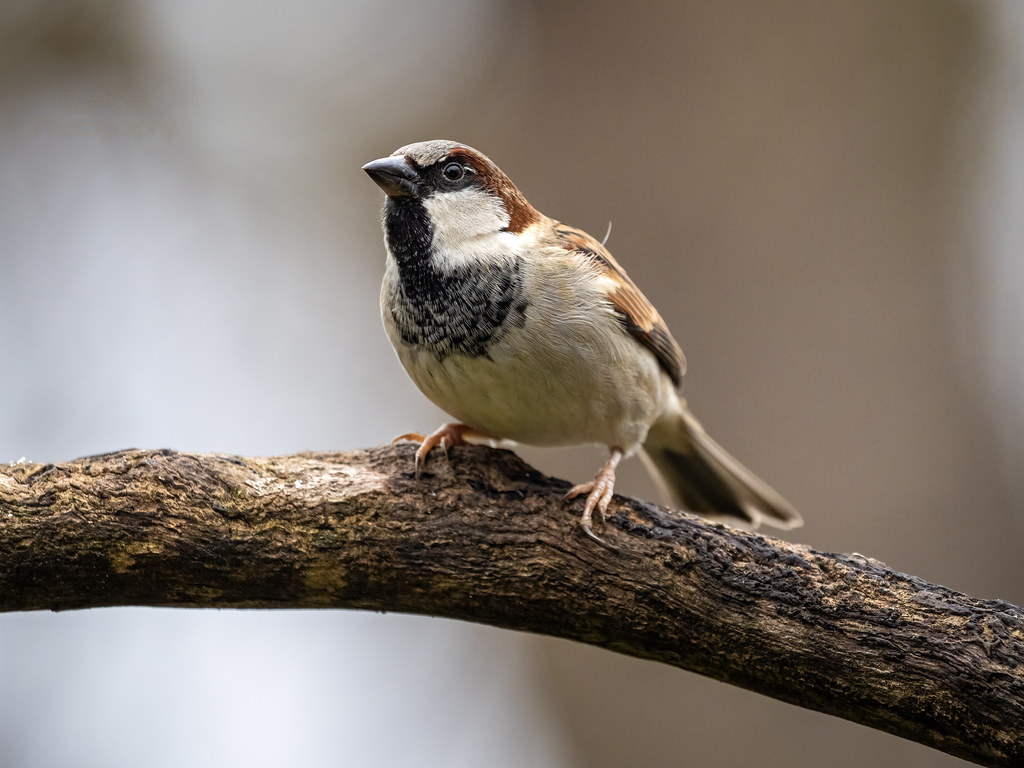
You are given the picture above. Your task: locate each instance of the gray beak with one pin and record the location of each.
(395, 176)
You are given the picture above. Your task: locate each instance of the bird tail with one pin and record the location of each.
(702, 478)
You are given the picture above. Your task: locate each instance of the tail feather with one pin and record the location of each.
(704, 479)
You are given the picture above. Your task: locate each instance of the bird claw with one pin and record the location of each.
(590, 533)
(599, 493)
(448, 436)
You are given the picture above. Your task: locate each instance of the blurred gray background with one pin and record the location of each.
(823, 199)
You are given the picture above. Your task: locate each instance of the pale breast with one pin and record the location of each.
(556, 370)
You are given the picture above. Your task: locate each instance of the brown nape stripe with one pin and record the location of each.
(520, 213)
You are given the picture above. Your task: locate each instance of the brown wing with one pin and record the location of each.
(638, 315)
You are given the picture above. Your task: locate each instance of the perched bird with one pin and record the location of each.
(526, 329)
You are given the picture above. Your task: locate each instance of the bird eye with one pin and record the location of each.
(453, 171)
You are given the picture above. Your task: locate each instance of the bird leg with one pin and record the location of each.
(447, 437)
(599, 492)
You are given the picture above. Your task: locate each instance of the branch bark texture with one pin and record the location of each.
(486, 538)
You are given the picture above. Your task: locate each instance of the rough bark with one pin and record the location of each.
(486, 538)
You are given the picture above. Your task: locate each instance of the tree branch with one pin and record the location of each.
(488, 539)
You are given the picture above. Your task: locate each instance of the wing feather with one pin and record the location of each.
(639, 317)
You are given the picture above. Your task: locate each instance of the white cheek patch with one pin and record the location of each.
(468, 227)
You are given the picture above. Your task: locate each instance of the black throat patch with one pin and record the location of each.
(455, 311)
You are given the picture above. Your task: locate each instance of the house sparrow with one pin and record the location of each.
(526, 329)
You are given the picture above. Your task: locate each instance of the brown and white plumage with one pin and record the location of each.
(526, 329)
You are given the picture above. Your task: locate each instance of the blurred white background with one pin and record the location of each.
(823, 200)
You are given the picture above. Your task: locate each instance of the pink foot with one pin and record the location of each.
(599, 493)
(447, 437)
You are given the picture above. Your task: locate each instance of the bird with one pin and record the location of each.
(526, 329)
